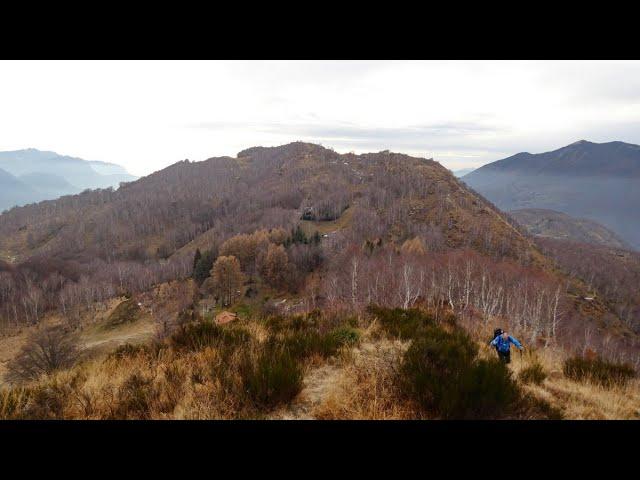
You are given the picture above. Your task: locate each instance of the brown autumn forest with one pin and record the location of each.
(298, 229)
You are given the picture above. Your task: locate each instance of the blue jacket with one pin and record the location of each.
(504, 345)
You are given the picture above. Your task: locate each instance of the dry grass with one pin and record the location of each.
(147, 384)
(91, 335)
(240, 370)
(163, 381)
(579, 400)
(366, 388)
(586, 401)
(96, 337)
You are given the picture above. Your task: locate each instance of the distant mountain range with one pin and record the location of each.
(597, 181)
(558, 225)
(32, 175)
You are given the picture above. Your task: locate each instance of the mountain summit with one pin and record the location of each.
(582, 158)
(597, 181)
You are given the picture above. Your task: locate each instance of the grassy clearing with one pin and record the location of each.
(327, 227)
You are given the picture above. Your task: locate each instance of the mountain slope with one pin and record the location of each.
(13, 191)
(50, 185)
(614, 274)
(600, 182)
(552, 224)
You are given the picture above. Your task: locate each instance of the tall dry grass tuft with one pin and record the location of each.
(368, 385)
(598, 370)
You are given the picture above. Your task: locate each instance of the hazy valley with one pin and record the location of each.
(28, 176)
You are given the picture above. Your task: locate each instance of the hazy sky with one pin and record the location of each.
(147, 115)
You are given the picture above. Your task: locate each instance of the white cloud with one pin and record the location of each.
(147, 115)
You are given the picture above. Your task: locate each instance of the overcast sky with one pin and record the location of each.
(147, 115)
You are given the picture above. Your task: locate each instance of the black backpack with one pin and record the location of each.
(496, 332)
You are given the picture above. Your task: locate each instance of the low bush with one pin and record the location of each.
(598, 370)
(441, 372)
(433, 364)
(302, 344)
(196, 336)
(487, 390)
(48, 401)
(129, 350)
(534, 373)
(346, 335)
(272, 378)
(278, 323)
(135, 397)
(305, 343)
(400, 323)
(46, 351)
(188, 315)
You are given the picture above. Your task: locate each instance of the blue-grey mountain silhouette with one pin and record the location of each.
(33, 175)
(600, 182)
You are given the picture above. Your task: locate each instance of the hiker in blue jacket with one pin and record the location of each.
(503, 342)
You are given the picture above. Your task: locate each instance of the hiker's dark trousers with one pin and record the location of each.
(504, 356)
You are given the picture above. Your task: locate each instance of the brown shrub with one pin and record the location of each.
(46, 351)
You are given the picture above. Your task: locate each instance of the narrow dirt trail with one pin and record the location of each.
(96, 338)
(120, 339)
(317, 384)
(323, 381)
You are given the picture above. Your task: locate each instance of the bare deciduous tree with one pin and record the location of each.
(46, 351)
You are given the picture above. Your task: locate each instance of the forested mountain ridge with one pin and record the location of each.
(337, 231)
(397, 196)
